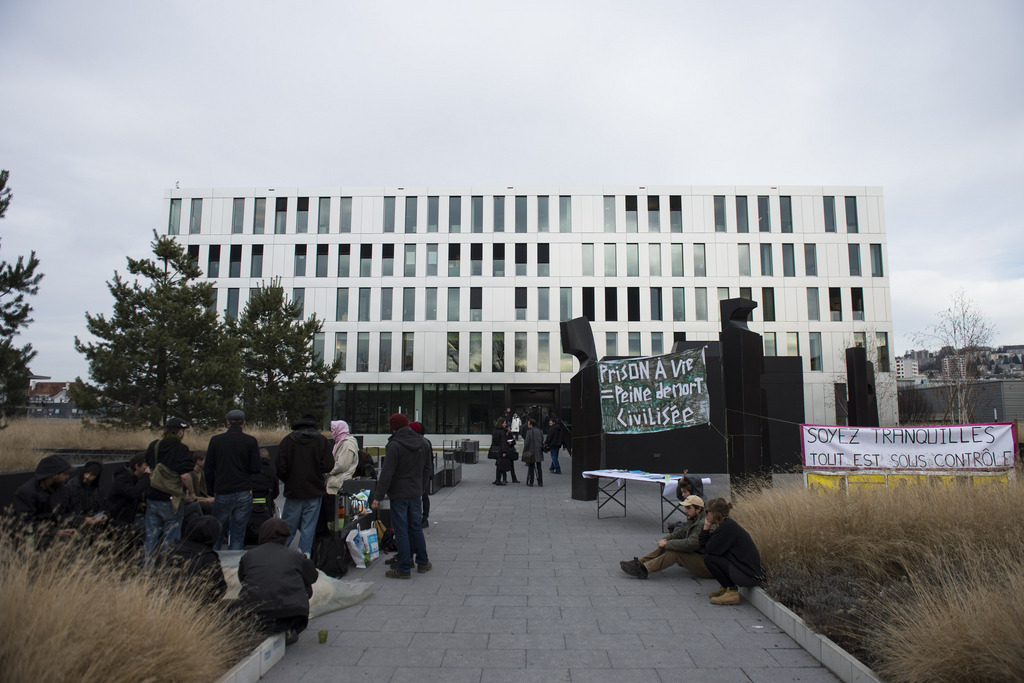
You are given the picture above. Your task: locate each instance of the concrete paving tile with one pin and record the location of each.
(794, 658)
(562, 626)
(819, 675)
(614, 676)
(768, 641)
(445, 675)
(631, 626)
(755, 659)
(481, 657)
(360, 640)
(391, 611)
(526, 641)
(346, 672)
(541, 599)
(475, 625)
(464, 588)
(641, 658)
(421, 625)
(694, 639)
(525, 676)
(527, 612)
(708, 675)
(601, 641)
(573, 659)
(461, 611)
(443, 641)
(601, 611)
(392, 656)
(431, 599)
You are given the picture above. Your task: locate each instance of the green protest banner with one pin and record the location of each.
(654, 394)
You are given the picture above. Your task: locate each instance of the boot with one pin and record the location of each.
(730, 597)
(715, 594)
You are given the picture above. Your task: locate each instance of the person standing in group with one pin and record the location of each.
(403, 477)
(428, 450)
(303, 458)
(165, 509)
(729, 554)
(499, 451)
(232, 458)
(517, 425)
(265, 488)
(533, 453)
(553, 442)
(346, 458)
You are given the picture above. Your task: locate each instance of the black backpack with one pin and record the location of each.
(330, 555)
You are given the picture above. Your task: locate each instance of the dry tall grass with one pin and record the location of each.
(924, 583)
(25, 441)
(74, 614)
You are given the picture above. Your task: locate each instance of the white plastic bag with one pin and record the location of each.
(370, 541)
(358, 549)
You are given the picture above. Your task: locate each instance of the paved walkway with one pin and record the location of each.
(526, 586)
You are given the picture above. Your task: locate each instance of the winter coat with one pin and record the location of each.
(732, 542)
(346, 456)
(80, 500)
(126, 493)
(232, 458)
(405, 472)
(499, 444)
(193, 558)
(276, 580)
(555, 437)
(685, 538)
(533, 444)
(303, 458)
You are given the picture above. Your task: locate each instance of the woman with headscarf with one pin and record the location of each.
(346, 458)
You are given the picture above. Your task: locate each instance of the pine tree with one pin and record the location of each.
(163, 352)
(17, 281)
(282, 375)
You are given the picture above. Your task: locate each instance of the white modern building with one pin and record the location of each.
(446, 302)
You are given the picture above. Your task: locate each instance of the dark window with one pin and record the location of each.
(300, 260)
(302, 217)
(476, 259)
(432, 211)
(633, 304)
(631, 213)
(656, 305)
(786, 213)
(232, 309)
(520, 303)
(768, 303)
(498, 258)
(454, 259)
(235, 261)
(521, 258)
(653, 213)
(455, 214)
(388, 259)
(851, 215)
(476, 302)
(213, 262)
(764, 223)
(174, 220)
(810, 260)
(323, 216)
(195, 218)
(543, 259)
(742, 221)
(857, 302)
(719, 213)
(830, 214)
(344, 256)
(256, 264)
(835, 303)
(588, 303)
(611, 304)
(321, 260)
(876, 261)
(854, 260)
(280, 215)
(365, 259)
(259, 216)
(788, 261)
(675, 213)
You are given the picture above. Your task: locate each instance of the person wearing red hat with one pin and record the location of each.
(403, 477)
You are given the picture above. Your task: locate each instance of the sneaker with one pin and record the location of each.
(424, 568)
(635, 568)
(730, 597)
(392, 561)
(715, 594)
(397, 573)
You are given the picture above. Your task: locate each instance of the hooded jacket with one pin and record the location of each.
(406, 469)
(126, 493)
(81, 500)
(195, 560)
(303, 458)
(346, 456)
(277, 581)
(32, 502)
(732, 542)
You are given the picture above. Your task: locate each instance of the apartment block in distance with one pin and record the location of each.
(445, 302)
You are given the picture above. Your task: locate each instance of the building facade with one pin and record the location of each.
(445, 302)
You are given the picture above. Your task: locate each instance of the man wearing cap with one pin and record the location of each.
(164, 509)
(682, 546)
(232, 458)
(303, 458)
(403, 477)
(37, 501)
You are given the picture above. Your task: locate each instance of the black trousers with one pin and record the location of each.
(727, 573)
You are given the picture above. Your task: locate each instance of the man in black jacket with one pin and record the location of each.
(37, 501)
(553, 441)
(195, 561)
(232, 458)
(131, 483)
(277, 581)
(403, 477)
(303, 458)
(165, 510)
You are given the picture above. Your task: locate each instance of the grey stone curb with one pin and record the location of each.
(845, 666)
(258, 662)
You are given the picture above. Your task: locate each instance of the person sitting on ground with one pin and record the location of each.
(82, 499)
(277, 582)
(681, 546)
(195, 561)
(37, 501)
(687, 485)
(729, 554)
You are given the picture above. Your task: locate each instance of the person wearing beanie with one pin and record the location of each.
(681, 546)
(303, 458)
(232, 460)
(37, 501)
(165, 511)
(277, 582)
(403, 478)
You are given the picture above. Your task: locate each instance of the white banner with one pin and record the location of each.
(978, 447)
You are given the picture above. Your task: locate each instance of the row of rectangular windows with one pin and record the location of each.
(543, 258)
(543, 208)
(610, 296)
(788, 345)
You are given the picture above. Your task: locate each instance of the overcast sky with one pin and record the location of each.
(105, 105)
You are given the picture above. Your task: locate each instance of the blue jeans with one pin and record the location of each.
(406, 519)
(162, 525)
(555, 467)
(301, 516)
(232, 510)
